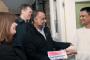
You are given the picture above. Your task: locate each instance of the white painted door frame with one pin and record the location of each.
(66, 19)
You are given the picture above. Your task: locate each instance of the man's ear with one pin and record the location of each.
(36, 18)
(23, 11)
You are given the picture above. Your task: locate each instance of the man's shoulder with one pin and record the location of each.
(46, 29)
(81, 29)
(19, 20)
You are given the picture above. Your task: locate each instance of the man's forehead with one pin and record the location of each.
(40, 14)
(83, 13)
(28, 8)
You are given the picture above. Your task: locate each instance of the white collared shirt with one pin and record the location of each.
(42, 32)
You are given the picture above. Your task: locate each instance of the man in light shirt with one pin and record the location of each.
(83, 35)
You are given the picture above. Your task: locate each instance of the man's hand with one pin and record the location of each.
(71, 51)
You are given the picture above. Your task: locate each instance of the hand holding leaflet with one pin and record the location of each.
(55, 55)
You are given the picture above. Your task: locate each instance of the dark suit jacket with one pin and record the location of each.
(20, 33)
(9, 53)
(18, 37)
(36, 46)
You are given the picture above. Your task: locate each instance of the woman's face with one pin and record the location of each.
(13, 28)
